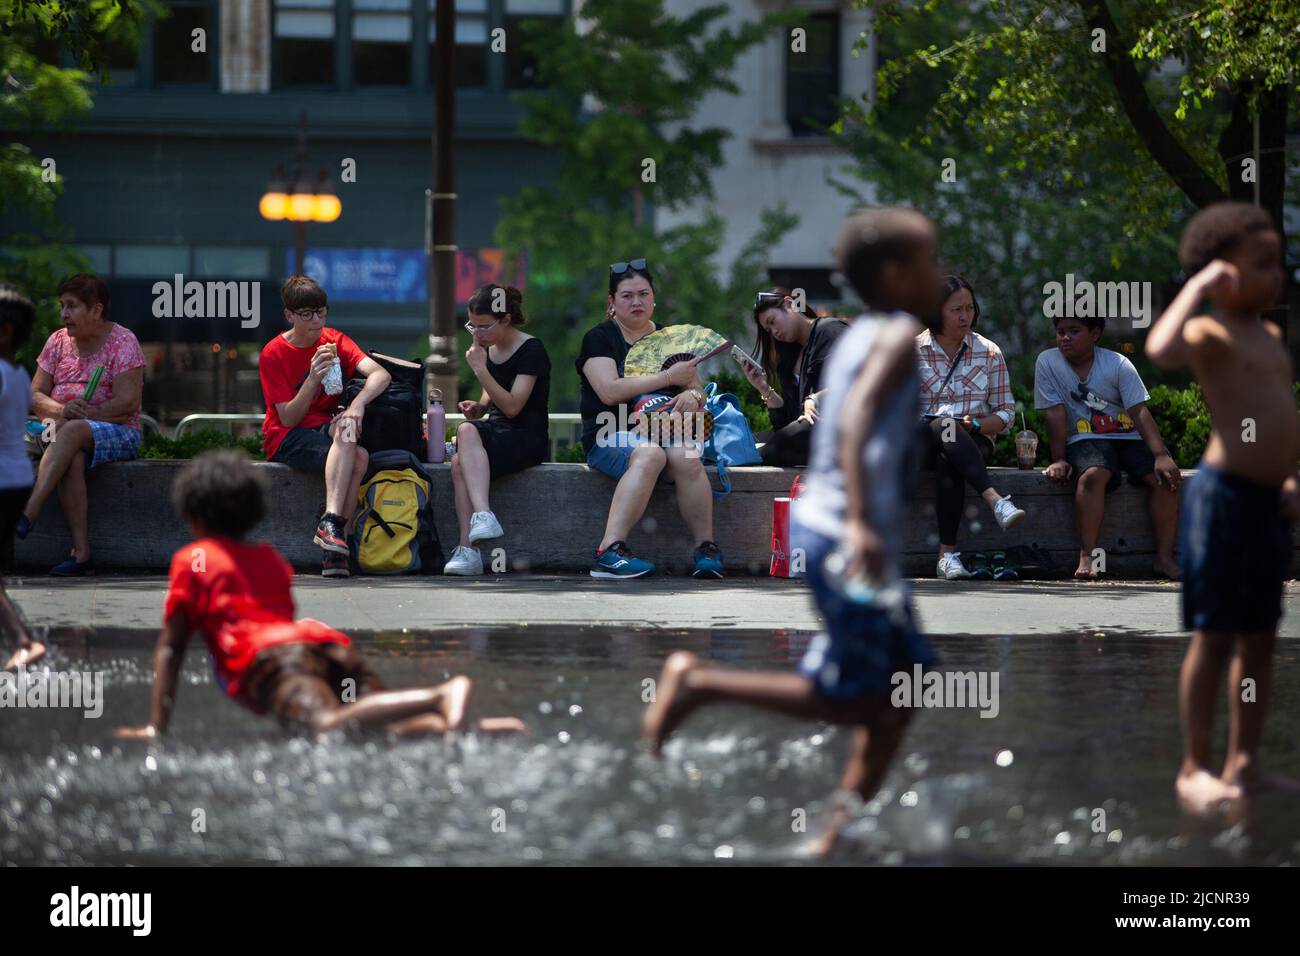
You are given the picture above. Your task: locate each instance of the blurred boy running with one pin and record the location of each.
(17, 315)
(851, 514)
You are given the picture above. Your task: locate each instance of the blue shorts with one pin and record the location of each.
(113, 442)
(1234, 547)
(305, 449)
(863, 645)
(612, 455)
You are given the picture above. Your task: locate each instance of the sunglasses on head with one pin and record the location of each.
(765, 300)
(636, 265)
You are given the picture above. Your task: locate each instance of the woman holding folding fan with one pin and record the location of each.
(625, 455)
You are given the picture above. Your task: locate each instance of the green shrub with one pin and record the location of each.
(573, 454)
(193, 444)
(751, 403)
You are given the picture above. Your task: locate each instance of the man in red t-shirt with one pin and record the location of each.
(237, 595)
(306, 428)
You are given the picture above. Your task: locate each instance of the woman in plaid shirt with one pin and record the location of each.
(966, 400)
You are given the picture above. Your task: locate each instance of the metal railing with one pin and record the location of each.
(148, 421)
(569, 423)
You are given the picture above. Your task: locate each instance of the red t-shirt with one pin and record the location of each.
(239, 596)
(283, 368)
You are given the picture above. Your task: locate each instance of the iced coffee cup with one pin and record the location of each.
(1026, 449)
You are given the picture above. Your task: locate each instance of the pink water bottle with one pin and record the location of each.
(437, 427)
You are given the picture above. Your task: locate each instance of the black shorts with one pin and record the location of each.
(296, 681)
(305, 449)
(510, 449)
(1130, 456)
(1234, 547)
(12, 501)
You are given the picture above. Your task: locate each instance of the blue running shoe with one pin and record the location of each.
(708, 560)
(70, 567)
(618, 562)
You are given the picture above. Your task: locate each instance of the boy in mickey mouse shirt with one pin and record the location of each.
(1098, 425)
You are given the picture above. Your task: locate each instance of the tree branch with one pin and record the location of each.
(1164, 147)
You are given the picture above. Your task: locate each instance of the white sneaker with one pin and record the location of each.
(1008, 515)
(466, 561)
(950, 567)
(484, 525)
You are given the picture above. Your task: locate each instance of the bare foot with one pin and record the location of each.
(672, 700)
(1084, 572)
(502, 725)
(25, 656)
(457, 699)
(1167, 568)
(830, 840)
(1200, 793)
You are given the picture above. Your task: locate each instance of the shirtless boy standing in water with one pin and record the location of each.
(1235, 530)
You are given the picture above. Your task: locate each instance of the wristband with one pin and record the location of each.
(975, 425)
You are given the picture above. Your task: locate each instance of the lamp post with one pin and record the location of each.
(440, 368)
(301, 199)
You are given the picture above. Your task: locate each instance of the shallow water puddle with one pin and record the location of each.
(1076, 767)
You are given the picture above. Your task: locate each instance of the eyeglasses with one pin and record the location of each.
(636, 265)
(309, 313)
(473, 329)
(765, 300)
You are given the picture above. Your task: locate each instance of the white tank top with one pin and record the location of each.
(886, 456)
(15, 402)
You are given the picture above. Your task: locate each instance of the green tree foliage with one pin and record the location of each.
(1156, 99)
(37, 94)
(621, 91)
(1071, 151)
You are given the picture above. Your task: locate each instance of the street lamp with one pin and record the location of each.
(306, 200)
(440, 368)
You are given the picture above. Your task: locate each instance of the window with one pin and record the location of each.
(381, 42)
(152, 262)
(471, 43)
(521, 66)
(812, 78)
(175, 61)
(304, 43)
(232, 262)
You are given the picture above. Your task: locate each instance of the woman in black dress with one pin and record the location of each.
(515, 373)
(792, 347)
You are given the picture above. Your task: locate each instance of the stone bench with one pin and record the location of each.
(554, 515)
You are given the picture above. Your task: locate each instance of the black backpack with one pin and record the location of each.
(394, 419)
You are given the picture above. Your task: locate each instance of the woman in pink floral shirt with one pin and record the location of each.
(85, 432)
(966, 400)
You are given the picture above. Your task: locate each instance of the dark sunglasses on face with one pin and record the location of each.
(618, 268)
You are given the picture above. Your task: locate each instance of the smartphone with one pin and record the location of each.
(744, 358)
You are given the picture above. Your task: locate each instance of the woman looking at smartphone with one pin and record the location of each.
(792, 349)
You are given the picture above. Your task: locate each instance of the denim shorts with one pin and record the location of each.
(113, 442)
(863, 645)
(1234, 547)
(612, 455)
(1128, 455)
(305, 449)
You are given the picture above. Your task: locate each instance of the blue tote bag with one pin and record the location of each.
(732, 441)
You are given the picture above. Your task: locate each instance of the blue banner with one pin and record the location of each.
(367, 275)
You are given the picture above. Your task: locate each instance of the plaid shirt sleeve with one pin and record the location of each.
(1001, 402)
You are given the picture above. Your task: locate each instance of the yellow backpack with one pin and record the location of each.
(394, 531)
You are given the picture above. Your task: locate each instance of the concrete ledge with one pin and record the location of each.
(554, 515)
